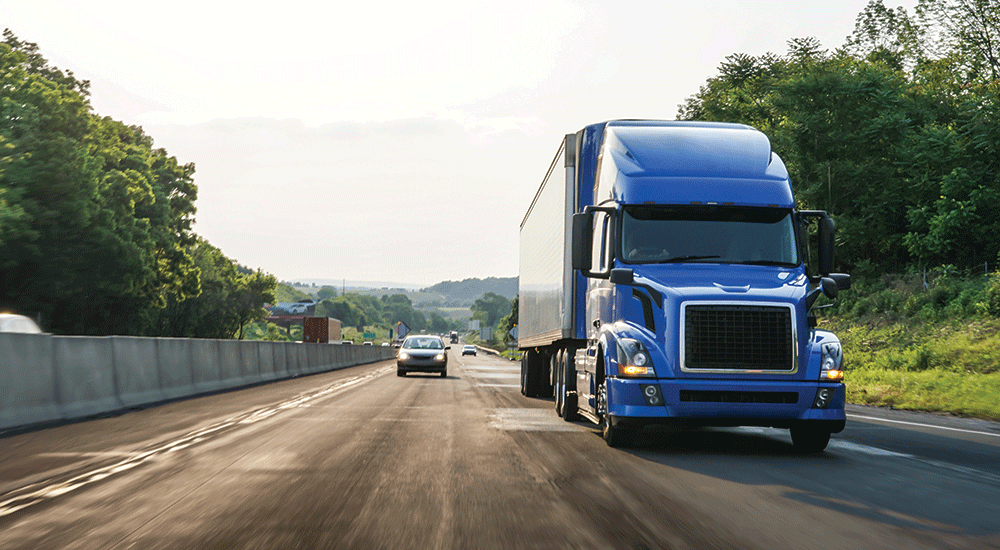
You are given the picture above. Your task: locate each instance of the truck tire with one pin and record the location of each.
(808, 440)
(545, 375)
(615, 436)
(530, 367)
(558, 383)
(567, 370)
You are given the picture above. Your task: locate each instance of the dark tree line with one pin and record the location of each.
(95, 222)
(895, 133)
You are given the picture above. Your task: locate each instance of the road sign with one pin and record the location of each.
(369, 335)
(402, 330)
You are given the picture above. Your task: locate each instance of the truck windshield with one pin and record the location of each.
(715, 234)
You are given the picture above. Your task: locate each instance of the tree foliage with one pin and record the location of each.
(490, 308)
(96, 223)
(894, 134)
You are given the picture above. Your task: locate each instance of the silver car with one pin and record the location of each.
(10, 322)
(423, 353)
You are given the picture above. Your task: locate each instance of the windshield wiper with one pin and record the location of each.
(685, 259)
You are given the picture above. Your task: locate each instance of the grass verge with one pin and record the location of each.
(942, 367)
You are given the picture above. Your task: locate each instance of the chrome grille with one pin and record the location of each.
(727, 337)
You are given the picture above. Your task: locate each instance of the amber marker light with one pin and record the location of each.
(632, 370)
(835, 375)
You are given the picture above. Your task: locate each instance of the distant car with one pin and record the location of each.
(468, 350)
(368, 344)
(298, 308)
(11, 322)
(423, 353)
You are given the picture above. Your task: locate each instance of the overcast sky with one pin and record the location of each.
(392, 141)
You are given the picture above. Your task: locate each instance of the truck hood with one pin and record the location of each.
(725, 282)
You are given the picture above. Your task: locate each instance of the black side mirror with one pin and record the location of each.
(843, 280)
(583, 234)
(829, 287)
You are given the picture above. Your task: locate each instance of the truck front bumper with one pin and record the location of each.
(777, 404)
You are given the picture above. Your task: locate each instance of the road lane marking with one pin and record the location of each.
(30, 495)
(876, 419)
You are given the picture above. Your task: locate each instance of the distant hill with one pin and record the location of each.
(447, 294)
(469, 290)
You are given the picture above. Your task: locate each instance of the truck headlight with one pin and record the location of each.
(832, 363)
(634, 360)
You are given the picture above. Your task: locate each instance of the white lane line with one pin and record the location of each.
(498, 385)
(876, 419)
(36, 493)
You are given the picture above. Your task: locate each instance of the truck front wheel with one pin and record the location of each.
(809, 440)
(615, 436)
(567, 375)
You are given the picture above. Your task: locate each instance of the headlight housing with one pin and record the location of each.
(403, 356)
(831, 362)
(634, 360)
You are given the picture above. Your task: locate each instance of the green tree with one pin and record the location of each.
(489, 308)
(343, 310)
(228, 301)
(510, 321)
(94, 224)
(326, 292)
(438, 323)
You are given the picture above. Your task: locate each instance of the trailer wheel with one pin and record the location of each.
(530, 370)
(545, 375)
(809, 440)
(559, 382)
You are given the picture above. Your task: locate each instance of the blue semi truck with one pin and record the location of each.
(667, 277)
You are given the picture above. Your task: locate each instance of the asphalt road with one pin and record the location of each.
(359, 458)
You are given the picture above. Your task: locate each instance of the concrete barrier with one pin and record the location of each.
(265, 359)
(45, 377)
(292, 358)
(173, 357)
(229, 363)
(249, 365)
(280, 360)
(205, 365)
(302, 357)
(312, 357)
(137, 377)
(85, 375)
(27, 380)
